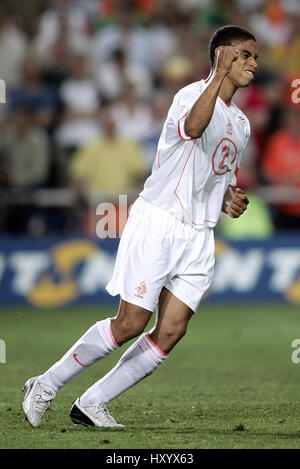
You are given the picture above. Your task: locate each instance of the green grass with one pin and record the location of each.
(230, 383)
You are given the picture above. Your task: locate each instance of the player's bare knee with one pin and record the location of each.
(178, 331)
(172, 334)
(125, 329)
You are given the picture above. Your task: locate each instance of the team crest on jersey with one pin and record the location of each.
(229, 128)
(141, 290)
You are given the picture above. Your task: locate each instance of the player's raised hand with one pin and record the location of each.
(238, 204)
(224, 57)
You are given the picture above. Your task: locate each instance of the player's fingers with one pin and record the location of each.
(227, 51)
(238, 207)
(226, 48)
(239, 192)
(217, 52)
(241, 196)
(239, 199)
(240, 202)
(233, 213)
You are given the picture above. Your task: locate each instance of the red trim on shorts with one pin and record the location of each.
(156, 346)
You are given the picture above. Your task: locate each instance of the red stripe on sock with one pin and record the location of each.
(156, 346)
(112, 338)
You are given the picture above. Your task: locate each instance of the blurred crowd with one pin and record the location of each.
(88, 87)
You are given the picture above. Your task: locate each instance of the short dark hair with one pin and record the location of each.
(226, 36)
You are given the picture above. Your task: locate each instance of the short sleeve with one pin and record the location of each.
(183, 103)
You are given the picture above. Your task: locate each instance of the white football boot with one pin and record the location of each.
(37, 400)
(93, 415)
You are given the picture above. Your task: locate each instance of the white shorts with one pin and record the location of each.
(157, 250)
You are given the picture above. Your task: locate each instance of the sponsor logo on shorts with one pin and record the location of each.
(141, 290)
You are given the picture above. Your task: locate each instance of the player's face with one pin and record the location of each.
(243, 69)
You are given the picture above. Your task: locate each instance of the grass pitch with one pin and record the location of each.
(230, 382)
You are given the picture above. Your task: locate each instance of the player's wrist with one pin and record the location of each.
(220, 73)
(226, 206)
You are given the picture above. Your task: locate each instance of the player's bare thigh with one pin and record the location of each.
(170, 327)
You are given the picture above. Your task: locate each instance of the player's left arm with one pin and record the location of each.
(235, 202)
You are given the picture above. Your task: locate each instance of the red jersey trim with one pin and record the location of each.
(227, 105)
(180, 135)
(175, 192)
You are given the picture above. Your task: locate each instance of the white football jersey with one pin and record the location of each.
(190, 176)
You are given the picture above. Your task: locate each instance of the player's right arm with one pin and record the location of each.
(201, 113)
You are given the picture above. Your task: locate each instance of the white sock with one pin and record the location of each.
(95, 344)
(139, 361)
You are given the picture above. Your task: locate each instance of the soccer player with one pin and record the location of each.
(165, 258)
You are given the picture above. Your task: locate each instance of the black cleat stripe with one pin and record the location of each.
(79, 418)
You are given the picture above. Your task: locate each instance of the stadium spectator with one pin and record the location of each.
(176, 72)
(132, 117)
(271, 23)
(254, 100)
(65, 20)
(55, 69)
(24, 151)
(113, 76)
(13, 46)
(164, 41)
(160, 104)
(33, 94)
(80, 101)
(24, 161)
(281, 167)
(123, 33)
(111, 164)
